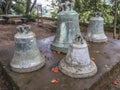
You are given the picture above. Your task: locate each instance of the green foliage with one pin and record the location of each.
(30, 17)
(2, 6)
(19, 7)
(85, 8)
(54, 15)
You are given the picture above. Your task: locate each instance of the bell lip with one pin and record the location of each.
(60, 49)
(101, 40)
(30, 69)
(90, 39)
(86, 74)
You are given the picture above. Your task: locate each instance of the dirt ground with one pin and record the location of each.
(7, 33)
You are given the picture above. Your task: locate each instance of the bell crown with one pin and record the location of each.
(23, 28)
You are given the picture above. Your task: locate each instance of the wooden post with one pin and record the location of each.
(115, 20)
(39, 15)
(118, 32)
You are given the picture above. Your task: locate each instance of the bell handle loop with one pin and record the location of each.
(79, 38)
(62, 6)
(69, 6)
(97, 14)
(23, 29)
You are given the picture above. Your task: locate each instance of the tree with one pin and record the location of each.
(8, 6)
(115, 18)
(2, 6)
(29, 6)
(28, 3)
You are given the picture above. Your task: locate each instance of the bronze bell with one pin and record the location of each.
(68, 27)
(95, 31)
(77, 63)
(26, 57)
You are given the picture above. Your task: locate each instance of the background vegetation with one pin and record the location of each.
(85, 8)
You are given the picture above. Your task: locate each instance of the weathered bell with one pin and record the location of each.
(26, 57)
(95, 32)
(68, 27)
(77, 63)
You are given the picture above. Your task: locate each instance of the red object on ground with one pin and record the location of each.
(115, 82)
(54, 81)
(55, 70)
(54, 52)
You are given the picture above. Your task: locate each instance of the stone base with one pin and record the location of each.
(29, 69)
(78, 72)
(106, 60)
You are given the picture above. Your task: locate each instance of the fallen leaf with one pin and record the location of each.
(54, 52)
(58, 52)
(104, 52)
(115, 82)
(88, 45)
(55, 70)
(107, 67)
(106, 42)
(93, 59)
(54, 81)
(8, 39)
(97, 51)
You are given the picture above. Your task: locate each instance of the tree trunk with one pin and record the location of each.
(33, 5)
(115, 19)
(28, 4)
(8, 5)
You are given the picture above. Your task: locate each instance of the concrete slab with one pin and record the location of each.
(106, 55)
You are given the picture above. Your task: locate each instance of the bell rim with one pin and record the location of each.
(29, 69)
(97, 40)
(60, 49)
(63, 68)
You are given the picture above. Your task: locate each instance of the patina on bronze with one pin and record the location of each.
(68, 27)
(26, 57)
(77, 63)
(95, 31)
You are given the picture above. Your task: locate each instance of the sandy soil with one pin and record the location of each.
(8, 31)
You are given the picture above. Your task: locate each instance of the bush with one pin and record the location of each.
(54, 15)
(30, 17)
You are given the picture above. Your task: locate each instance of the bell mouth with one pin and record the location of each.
(78, 72)
(28, 67)
(60, 48)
